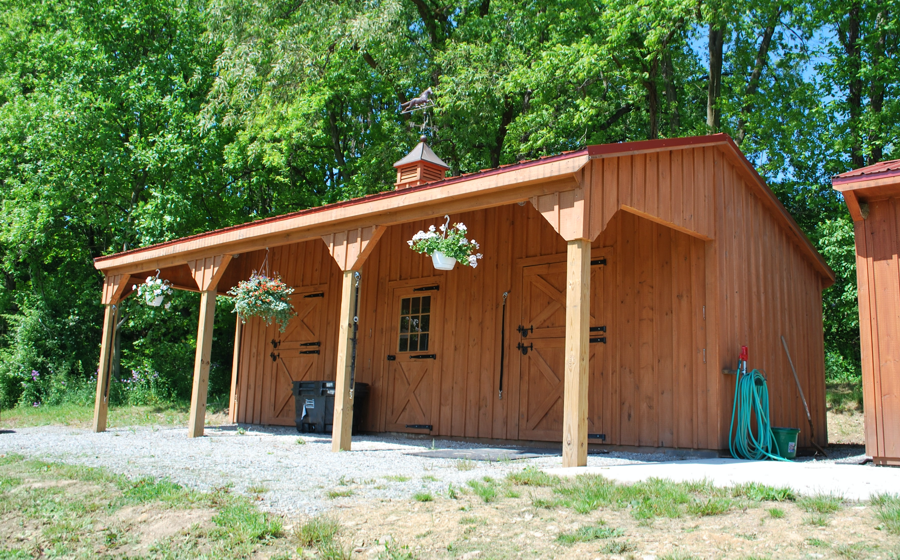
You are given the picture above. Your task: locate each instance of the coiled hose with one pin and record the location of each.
(751, 399)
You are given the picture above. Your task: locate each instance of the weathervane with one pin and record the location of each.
(421, 103)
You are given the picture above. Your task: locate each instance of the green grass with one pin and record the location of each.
(397, 478)
(423, 497)
(712, 506)
(471, 520)
(617, 547)
(65, 503)
(485, 489)
(257, 489)
(844, 397)
(465, 465)
(812, 541)
(430, 478)
(887, 511)
(80, 416)
(649, 499)
(320, 533)
(317, 531)
(531, 476)
(339, 493)
(816, 520)
(776, 513)
(589, 533)
(820, 503)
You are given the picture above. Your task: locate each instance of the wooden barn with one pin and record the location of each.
(873, 196)
(618, 282)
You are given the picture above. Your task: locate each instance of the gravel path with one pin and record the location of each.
(291, 477)
(297, 477)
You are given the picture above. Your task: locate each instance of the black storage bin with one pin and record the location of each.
(314, 406)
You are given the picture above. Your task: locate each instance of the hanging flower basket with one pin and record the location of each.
(447, 247)
(264, 297)
(155, 291)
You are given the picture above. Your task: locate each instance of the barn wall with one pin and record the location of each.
(878, 278)
(307, 267)
(649, 388)
(675, 188)
(767, 288)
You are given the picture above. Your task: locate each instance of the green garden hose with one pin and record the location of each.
(751, 399)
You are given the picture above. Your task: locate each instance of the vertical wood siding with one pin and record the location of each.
(654, 383)
(767, 289)
(878, 279)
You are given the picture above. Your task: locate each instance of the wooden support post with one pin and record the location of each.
(201, 363)
(575, 400)
(235, 369)
(206, 272)
(101, 405)
(114, 288)
(343, 396)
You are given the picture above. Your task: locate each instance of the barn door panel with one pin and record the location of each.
(541, 338)
(413, 360)
(296, 354)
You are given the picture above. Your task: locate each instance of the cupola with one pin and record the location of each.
(420, 166)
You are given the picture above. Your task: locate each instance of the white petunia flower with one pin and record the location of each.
(410, 243)
(461, 227)
(431, 228)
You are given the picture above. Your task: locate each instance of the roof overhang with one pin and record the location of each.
(508, 184)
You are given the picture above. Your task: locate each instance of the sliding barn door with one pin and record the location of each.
(541, 338)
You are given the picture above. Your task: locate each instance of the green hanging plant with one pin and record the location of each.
(264, 297)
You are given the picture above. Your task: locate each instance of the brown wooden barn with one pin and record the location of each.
(873, 196)
(630, 273)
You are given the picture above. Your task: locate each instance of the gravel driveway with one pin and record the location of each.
(296, 477)
(291, 477)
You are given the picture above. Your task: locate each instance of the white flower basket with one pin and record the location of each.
(157, 301)
(442, 262)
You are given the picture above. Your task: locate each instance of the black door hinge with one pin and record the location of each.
(599, 329)
(596, 262)
(427, 289)
(598, 339)
(320, 294)
(424, 357)
(309, 351)
(428, 427)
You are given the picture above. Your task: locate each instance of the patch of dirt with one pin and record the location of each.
(153, 524)
(512, 528)
(846, 427)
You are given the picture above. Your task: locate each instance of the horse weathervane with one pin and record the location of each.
(421, 103)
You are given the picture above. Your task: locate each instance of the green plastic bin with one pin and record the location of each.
(786, 442)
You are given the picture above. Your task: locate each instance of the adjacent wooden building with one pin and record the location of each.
(618, 282)
(873, 196)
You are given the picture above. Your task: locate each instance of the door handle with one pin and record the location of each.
(424, 357)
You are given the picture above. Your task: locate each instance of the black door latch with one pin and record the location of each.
(524, 348)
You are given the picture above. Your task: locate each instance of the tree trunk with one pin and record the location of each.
(671, 96)
(714, 87)
(850, 41)
(876, 91)
(762, 59)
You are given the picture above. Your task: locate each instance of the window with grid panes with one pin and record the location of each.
(415, 324)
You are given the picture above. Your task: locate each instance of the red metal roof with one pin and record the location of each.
(880, 170)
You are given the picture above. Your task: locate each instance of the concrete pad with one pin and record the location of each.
(852, 482)
(485, 454)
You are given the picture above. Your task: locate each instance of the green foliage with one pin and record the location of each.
(531, 476)
(317, 531)
(820, 503)
(129, 123)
